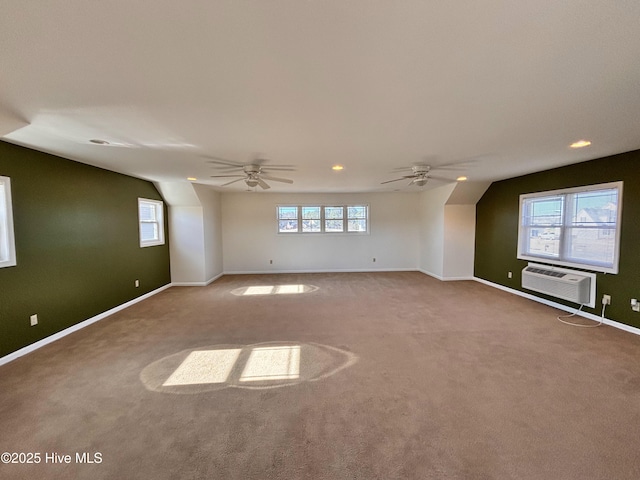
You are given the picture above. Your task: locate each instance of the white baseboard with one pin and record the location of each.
(196, 284)
(364, 270)
(439, 277)
(74, 328)
(559, 306)
(445, 279)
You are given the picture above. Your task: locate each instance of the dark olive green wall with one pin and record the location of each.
(497, 229)
(77, 247)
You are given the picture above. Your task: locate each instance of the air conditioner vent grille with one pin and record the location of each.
(550, 273)
(568, 285)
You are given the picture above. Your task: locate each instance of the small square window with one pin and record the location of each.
(150, 216)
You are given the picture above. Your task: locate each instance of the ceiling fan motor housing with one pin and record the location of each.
(252, 169)
(421, 169)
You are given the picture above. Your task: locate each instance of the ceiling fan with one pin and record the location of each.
(420, 175)
(253, 174)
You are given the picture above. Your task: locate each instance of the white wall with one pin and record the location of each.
(212, 233)
(432, 228)
(211, 202)
(186, 244)
(459, 241)
(250, 238)
(195, 232)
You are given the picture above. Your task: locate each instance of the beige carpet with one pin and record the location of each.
(328, 376)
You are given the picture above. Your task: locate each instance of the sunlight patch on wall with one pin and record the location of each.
(272, 363)
(204, 366)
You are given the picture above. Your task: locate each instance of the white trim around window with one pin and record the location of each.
(7, 239)
(151, 220)
(574, 227)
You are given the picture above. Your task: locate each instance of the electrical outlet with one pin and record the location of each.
(137, 283)
(34, 319)
(509, 274)
(606, 299)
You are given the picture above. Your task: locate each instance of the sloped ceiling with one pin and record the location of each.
(500, 88)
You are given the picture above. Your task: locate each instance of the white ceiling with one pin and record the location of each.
(371, 84)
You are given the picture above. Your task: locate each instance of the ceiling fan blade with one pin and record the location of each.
(223, 161)
(263, 184)
(441, 179)
(397, 179)
(462, 163)
(232, 181)
(450, 167)
(224, 169)
(227, 176)
(278, 168)
(276, 179)
(264, 162)
(403, 169)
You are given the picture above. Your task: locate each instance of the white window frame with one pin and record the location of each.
(564, 224)
(158, 220)
(7, 238)
(345, 220)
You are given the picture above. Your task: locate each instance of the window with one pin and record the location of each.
(311, 219)
(323, 219)
(150, 215)
(7, 242)
(334, 219)
(357, 218)
(576, 227)
(287, 219)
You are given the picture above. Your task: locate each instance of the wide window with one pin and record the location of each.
(577, 227)
(323, 219)
(7, 243)
(150, 215)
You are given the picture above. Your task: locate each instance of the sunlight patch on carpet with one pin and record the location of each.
(252, 367)
(204, 366)
(274, 290)
(272, 363)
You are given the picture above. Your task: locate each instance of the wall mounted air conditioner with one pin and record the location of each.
(572, 285)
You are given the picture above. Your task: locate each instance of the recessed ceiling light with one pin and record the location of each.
(580, 144)
(461, 179)
(97, 141)
(337, 168)
(192, 179)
